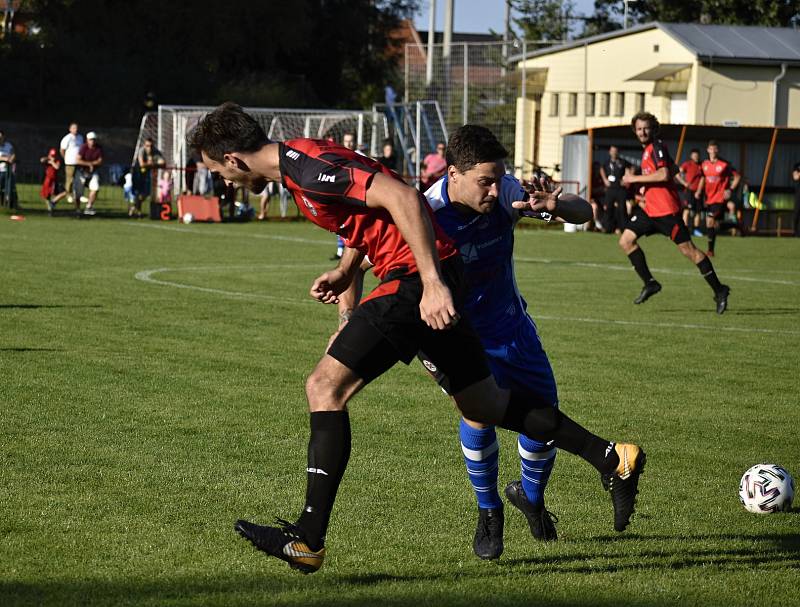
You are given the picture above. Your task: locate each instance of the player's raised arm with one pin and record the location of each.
(407, 208)
(544, 199)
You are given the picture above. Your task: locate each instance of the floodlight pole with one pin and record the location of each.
(429, 58)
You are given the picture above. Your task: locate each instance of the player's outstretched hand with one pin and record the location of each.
(436, 306)
(542, 197)
(327, 287)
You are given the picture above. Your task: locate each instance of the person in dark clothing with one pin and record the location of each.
(796, 214)
(612, 171)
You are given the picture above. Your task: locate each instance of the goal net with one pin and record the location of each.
(169, 126)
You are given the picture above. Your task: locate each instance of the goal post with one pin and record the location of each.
(169, 126)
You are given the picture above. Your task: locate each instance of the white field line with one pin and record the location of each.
(584, 264)
(147, 276)
(623, 268)
(188, 230)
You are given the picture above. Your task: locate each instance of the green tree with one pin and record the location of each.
(95, 60)
(544, 20)
(774, 13)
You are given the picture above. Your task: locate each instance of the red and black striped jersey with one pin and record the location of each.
(329, 184)
(660, 198)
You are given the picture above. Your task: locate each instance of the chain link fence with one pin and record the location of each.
(474, 83)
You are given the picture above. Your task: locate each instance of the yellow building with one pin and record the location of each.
(683, 73)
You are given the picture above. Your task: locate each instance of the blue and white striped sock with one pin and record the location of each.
(536, 459)
(480, 455)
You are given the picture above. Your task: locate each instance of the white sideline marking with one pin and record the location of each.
(147, 276)
(187, 230)
(629, 268)
(668, 325)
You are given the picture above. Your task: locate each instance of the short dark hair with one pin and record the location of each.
(694, 151)
(646, 117)
(712, 142)
(472, 144)
(227, 129)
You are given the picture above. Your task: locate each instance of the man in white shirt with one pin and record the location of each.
(70, 144)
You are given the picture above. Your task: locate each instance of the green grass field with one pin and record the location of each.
(152, 393)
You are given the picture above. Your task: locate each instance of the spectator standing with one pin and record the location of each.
(165, 187)
(718, 180)
(796, 214)
(616, 195)
(70, 144)
(7, 159)
(434, 166)
(388, 158)
(149, 158)
(203, 184)
(127, 191)
(90, 157)
(52, 191)
(692, 194)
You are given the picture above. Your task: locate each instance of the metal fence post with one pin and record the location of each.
(465, 115)
(524, 94)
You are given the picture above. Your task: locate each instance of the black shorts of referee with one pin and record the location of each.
(387, 327)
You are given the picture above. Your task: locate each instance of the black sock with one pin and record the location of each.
(707, 270)
(328, 453)
(712, 238)
(525, 415)
(639, 264)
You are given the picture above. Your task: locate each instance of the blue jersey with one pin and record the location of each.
(494, 304)
(486, 243)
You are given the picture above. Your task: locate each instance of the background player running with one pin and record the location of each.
(416, 307)
(717, 182)
(661, 214)
(691, 194)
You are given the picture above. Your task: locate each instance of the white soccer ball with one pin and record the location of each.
(188, 218)
(766, 488)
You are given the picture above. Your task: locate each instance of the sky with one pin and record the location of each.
(478, 16)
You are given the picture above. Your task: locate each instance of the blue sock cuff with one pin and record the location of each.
(533, 446)
(476, 438)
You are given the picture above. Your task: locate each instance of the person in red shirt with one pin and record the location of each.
(661, 214)
(52, 191)
(691, 194)
(717, 182)
(415, 307)
(433, 166)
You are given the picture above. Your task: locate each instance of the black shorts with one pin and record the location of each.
(672, 226)
(387, 327)
(716, 211)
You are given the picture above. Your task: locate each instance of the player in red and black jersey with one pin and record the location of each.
(415, 307)
(661, 214)
(717, 182)
(692, 193)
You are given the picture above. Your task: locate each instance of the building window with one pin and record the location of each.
(640, 102)
(572, 104)
(604, 104)
(590, 104)
(554, 104)
(619, 104)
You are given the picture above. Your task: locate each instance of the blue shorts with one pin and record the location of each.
(517, 361)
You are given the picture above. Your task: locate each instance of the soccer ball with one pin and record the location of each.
(766, 488)
(188, 218)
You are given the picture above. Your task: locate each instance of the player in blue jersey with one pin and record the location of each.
(478, 205)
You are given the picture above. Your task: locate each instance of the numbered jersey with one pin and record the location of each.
(486, 243)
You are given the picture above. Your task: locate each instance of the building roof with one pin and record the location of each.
(438, 37)
(710, 43)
